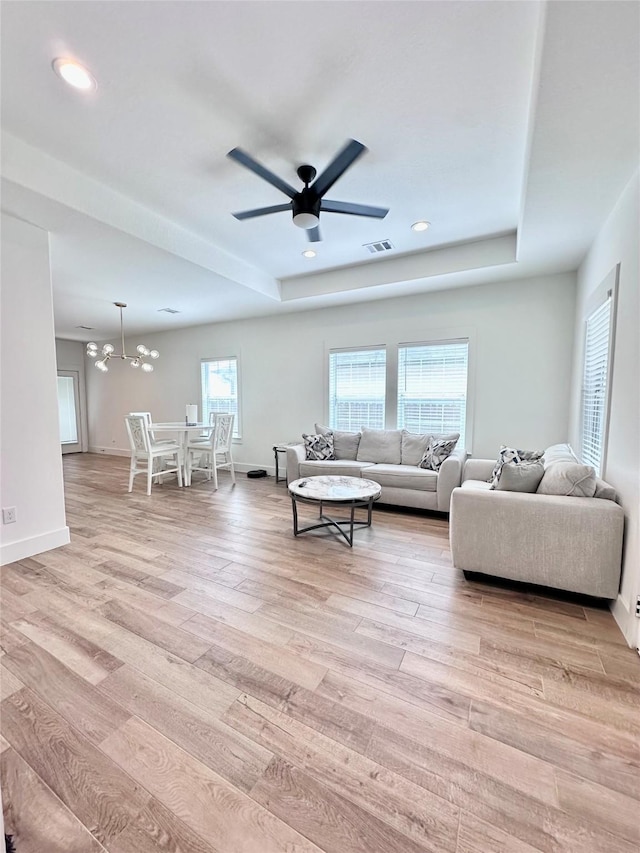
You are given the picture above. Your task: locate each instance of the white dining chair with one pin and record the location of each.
(213, 453)
(147, 417)
(204, 438)
(145, 450)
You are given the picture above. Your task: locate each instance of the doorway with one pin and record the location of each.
(69, 411)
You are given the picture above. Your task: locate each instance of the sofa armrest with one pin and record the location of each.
(478, 469)
(450, 476)
(561, 542)
(295, 455)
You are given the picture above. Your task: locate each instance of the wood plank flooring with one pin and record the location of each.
(187, 677)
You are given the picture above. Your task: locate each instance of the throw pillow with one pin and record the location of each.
(510, 454)
(318, 447)
(570, 479)
(345, 444)
(520, 477)
(413, 446)
(436, 453)
(380, 446)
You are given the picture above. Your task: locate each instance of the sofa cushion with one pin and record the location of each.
(380, 446)
(511, 454)
(446, 436)
(436, 452)
(558, 452)
(476, 485)
(412, 447)
(338, 467)
(403, 477)
(318, 446)
(345, 444)
(521, 477)
(568, 478)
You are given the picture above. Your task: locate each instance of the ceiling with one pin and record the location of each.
(511, 127)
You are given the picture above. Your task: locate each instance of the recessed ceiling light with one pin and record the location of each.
(309, 253)
(74, 74)
(420, 226)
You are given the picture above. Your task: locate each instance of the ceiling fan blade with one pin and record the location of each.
(338, 166)
(314, 235)
(248, 162)
(353, 209)
(262, 211)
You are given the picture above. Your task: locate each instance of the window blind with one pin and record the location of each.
(219, 380)
(595, 384)
(357, 380)
(432, 387)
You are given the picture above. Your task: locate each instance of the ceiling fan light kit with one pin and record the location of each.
(306, 204)
(108, 351)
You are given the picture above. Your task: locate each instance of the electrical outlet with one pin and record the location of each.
(638, 606)
(9, 515)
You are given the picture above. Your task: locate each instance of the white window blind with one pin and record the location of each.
(432, 387)
(357, 380)
(220, 389)
(595, 384)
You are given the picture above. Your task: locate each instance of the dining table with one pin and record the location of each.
(184, 432)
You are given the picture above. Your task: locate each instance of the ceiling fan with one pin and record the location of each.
(307, 203)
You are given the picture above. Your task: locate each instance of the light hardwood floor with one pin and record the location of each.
(187, 676)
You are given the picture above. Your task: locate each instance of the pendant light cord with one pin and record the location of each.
(122, 333)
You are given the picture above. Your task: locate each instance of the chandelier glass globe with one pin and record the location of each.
(109, 351)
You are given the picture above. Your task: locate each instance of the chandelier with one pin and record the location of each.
(108, 351)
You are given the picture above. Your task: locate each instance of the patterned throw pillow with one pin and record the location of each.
(345, 444)
(318, 447)
(511, 454)
(436, 452)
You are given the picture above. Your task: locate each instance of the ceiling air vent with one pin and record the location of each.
(168, 311)
(86, 328)
(380, 246)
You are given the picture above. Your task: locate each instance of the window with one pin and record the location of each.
(357, 380)
(596, 383)
(220, 389)
(432, 387)
(67, 413)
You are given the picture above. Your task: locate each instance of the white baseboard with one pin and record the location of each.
(109, 451)
(626, 621)
(24, 548)
(241, 467)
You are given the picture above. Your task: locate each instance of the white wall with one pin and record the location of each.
(521, 345)
(29, 432)
(71, 355)
(617, 242)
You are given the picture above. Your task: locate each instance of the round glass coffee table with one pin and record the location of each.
(350, 492)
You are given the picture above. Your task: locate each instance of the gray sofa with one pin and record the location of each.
(390, 458)
(559, 541)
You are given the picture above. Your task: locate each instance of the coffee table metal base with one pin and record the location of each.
(337, 523)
